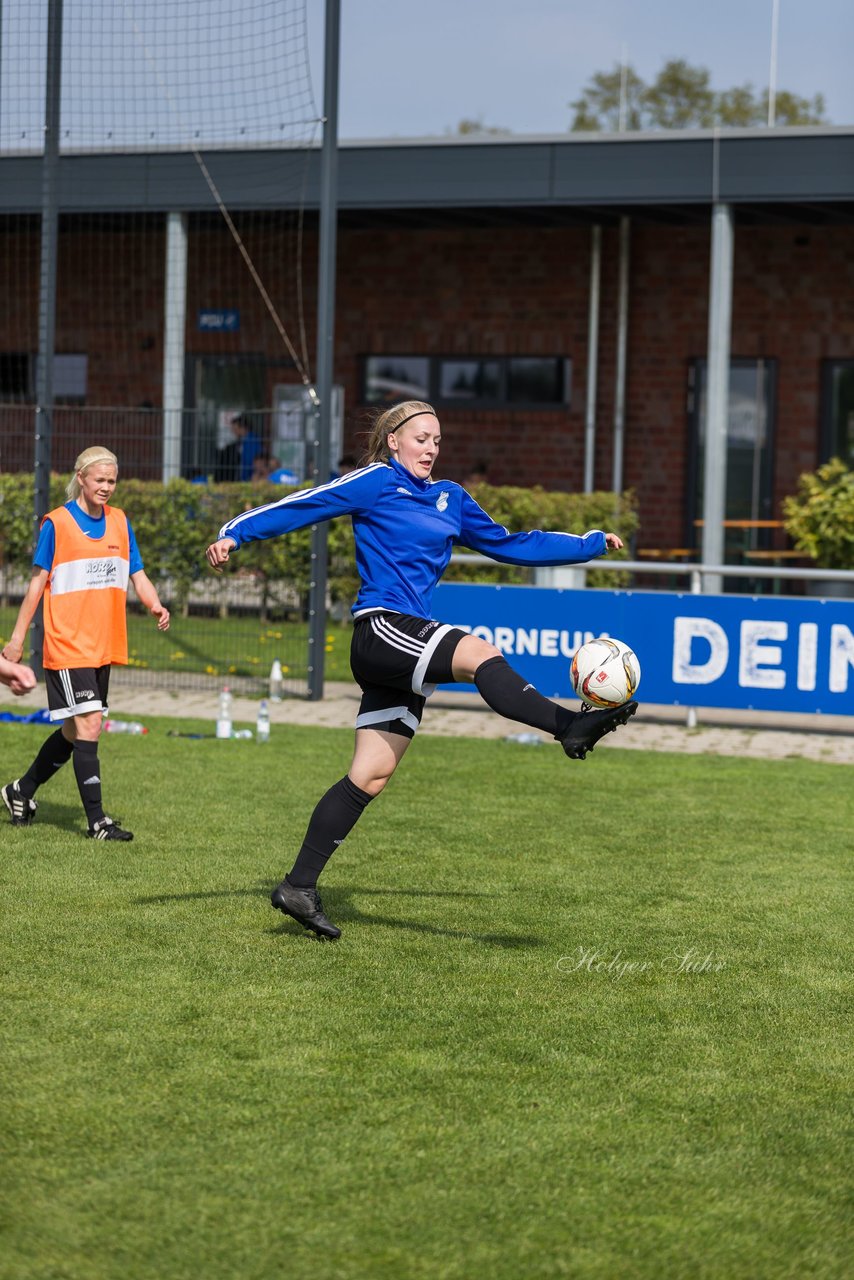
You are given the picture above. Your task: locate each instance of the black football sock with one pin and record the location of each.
(54, 753)
(87, 771)
(512, 696)
(334, 817)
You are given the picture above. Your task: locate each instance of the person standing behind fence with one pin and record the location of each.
(85, 554)
(249, 444)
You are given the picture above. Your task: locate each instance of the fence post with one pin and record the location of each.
(175, 321)
(47, 292)
(325, 338)
(566, 577)
(717, 390)
(696, 590)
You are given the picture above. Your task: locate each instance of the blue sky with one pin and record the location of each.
(168, 72)
(416, 67)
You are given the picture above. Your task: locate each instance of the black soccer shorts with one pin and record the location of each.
(73, 691)
(398, 660)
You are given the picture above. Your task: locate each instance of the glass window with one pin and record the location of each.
(15, 370)
(19, 373)
(392, 378)
(749, 453)
(536, 380)
(838, 411)
(70, 376)
(469, 380)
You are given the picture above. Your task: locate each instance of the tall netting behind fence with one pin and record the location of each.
(185, 274)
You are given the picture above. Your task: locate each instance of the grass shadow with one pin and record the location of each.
(260, 891)
(345, 910)
(418, 893)
(65, 817)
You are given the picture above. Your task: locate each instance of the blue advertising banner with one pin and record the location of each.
(762, 653)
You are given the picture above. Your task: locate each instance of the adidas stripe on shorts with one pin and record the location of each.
(73, 691)
(398, 660)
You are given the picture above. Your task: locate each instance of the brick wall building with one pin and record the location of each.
(441, 285)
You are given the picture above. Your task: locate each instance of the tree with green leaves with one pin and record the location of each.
(608, 93)
(476, 126)
(682, 97)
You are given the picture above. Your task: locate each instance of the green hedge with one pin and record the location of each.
(522, 509)
(174, 523)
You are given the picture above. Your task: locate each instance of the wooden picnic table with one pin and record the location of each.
(745, 524)
(667, 553)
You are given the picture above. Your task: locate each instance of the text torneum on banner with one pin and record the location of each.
(752, 652)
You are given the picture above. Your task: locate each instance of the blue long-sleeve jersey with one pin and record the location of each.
(405, 530)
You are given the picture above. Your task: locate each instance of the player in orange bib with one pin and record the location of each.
(85, 555)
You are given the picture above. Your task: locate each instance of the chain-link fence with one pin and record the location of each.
(230, 627)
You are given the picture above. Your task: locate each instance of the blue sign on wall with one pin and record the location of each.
(763, 653)
(227, 321)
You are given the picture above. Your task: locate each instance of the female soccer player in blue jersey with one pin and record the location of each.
(405, 525)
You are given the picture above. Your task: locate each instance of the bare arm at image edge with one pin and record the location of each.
(13, 650)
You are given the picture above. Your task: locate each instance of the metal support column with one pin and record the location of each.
(592, 358)
(174, 329)
(717, 392)
(47, 289)
(622, 351)
(325, 338)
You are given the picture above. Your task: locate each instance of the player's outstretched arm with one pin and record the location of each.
(149, 599)
(218, 552)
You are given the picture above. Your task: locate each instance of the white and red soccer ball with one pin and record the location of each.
(605, 672)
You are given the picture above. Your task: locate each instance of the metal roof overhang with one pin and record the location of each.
(804, 175)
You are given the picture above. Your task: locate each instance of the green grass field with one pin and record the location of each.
(192, 1088)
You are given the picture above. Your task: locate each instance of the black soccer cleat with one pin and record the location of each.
(589, 726)
(305, 907)
(21, 808)
(107, 829)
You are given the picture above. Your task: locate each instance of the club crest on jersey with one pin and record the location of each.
(442, 501)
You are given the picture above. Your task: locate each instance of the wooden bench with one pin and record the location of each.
(776, 555)
(776, 558)
(745, 524)
(667, 553)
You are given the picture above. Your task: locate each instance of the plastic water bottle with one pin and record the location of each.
(525, 739)
(124, 726)
(223, 724)
(262, 724)
(277, 683)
